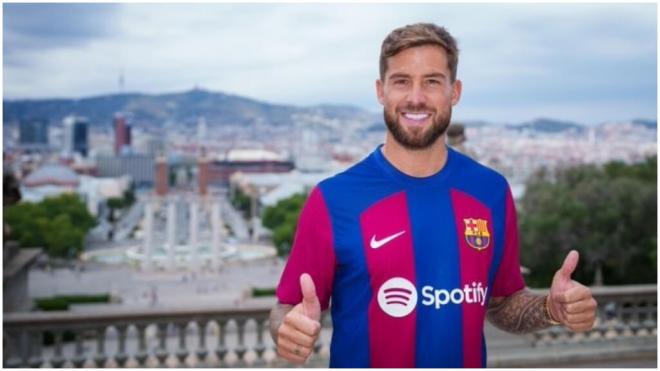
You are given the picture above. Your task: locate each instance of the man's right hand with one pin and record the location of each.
(301, 327)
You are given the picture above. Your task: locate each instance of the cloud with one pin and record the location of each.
(512, 56)
(29, 29)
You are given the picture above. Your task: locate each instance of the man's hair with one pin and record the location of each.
(419, 34)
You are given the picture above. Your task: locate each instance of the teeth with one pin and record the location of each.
(416, 116)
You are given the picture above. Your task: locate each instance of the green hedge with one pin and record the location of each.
(50, 304)
(62, 302)
(260, 292)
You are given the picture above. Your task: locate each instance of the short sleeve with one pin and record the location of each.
(509, 278)
(312, 252)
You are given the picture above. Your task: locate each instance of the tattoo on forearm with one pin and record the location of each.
(520, 313)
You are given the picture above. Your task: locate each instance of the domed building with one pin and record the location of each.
(47, 181)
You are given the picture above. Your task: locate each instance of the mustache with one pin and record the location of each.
(417, 108)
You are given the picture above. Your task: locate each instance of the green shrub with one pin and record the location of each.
(263, 291)
(62, 302)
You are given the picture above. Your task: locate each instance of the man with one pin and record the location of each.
(416, 243)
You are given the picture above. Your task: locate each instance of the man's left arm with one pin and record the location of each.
(569, 303)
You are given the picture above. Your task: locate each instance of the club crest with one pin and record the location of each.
(476, 233)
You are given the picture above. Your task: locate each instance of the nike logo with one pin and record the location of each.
(378, 243)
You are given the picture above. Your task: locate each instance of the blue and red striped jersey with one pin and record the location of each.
(409, 263)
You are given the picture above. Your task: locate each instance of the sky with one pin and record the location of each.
(587, 63)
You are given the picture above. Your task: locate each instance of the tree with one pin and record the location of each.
(282, 219)
(241, 202)
(58, 224)
(608, 214)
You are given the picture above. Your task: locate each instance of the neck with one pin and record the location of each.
(417, 163)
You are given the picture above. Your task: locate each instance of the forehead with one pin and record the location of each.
(419, 60)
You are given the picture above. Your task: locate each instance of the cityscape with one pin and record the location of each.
(183, 241)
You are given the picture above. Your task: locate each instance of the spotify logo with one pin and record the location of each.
(397, 297)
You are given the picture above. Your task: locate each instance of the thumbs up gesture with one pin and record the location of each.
(570, 302)
(301, 327)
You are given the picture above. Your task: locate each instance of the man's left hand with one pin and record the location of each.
(570, 302)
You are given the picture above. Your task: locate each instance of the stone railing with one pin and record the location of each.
(623, 312)
(200, 337)
(239, 337)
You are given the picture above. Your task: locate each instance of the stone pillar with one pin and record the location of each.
(193, 237)
(171, 230)
(254, 201)
(216, 228)
(148, 232)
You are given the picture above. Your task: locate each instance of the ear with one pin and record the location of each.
(457, 89)
(379, 92)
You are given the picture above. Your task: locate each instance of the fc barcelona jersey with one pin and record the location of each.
(408, 263)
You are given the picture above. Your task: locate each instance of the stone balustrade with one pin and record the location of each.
(239, 337)
(623, 312)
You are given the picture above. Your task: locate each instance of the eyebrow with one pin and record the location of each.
(405, 75)
(436, 74)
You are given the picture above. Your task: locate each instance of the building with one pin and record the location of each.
(96, 191)
(33, 133)
(52, 180)
(122, 129)
(246, 161)
(76, 135)
(138, 166)
(48, 181)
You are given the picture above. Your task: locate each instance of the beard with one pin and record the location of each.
(418, 139)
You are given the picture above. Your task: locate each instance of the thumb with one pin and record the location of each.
(311, 304)
(570, 263)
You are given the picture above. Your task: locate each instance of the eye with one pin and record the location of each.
(400, 82)
(434, 82)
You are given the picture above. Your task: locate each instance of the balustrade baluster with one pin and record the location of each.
(182, 352)
(636, 320)
(121, 357)
(36, 358)
(141, 355)
(260, 348)
(240, 348)
(78, 359)
(201, 348)
(221, 351)
(57, 360)
(100, 358)
(161, 352)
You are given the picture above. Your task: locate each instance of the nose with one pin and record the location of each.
(416, 96)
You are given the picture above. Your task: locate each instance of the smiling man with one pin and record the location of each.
(416, 244)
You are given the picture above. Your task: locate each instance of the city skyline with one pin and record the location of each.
(516, 65)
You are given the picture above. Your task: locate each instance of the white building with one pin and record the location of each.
(52, 180)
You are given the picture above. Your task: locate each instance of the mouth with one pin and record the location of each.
(415, 118)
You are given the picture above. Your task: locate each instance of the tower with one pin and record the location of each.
(122, 133)
(162, 176)
(203, 173)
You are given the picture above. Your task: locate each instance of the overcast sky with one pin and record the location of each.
(587, 63)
